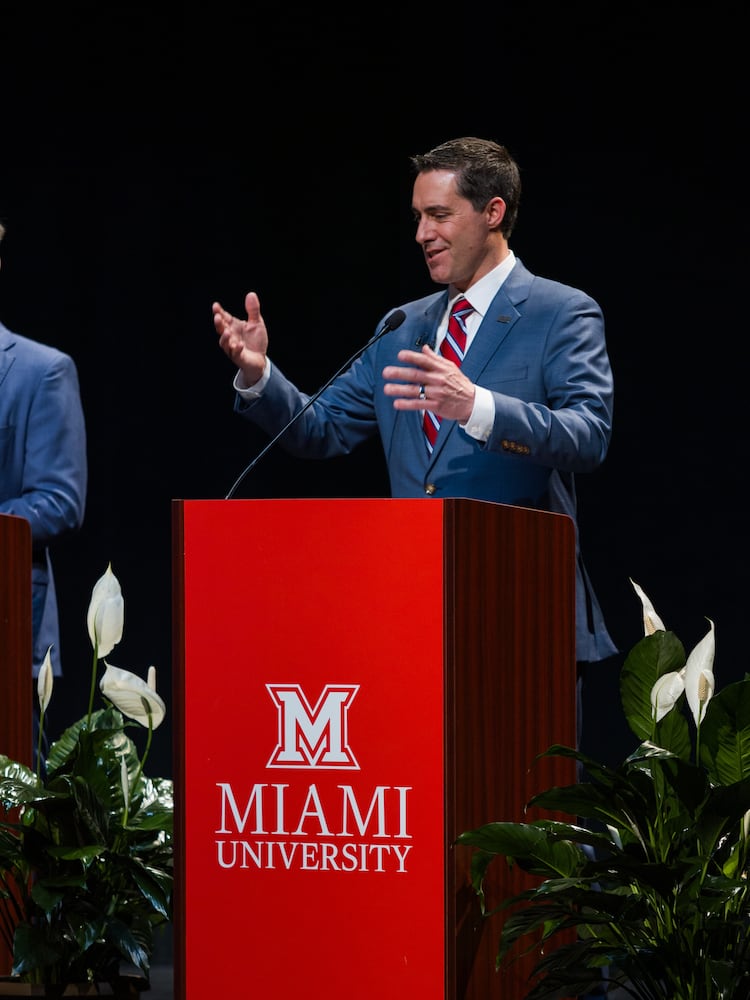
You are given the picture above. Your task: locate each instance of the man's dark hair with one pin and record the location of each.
(483, 169)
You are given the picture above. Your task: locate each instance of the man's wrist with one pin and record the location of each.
(255, 389)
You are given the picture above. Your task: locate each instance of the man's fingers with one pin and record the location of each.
(392, 373)
(421, 359)
(252, 307)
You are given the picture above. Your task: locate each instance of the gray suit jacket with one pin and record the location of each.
(43, 465)
(541, 351)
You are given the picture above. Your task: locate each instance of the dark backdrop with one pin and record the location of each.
(154, 160)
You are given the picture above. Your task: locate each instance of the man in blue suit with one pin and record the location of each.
(43, 465)
(524, 406)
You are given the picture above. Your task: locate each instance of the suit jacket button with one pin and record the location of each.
(430, 489)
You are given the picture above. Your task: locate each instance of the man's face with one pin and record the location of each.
(455, 237)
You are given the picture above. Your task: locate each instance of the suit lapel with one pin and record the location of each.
(427, 327)
(499, 320)
(6, 355)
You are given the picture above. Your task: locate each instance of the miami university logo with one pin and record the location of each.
(313, 737)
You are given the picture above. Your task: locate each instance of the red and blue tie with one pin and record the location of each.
(453, 347)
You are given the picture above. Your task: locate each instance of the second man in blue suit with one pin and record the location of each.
(43, 465)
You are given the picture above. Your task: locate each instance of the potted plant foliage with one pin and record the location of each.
(86, 863)
(645, 891)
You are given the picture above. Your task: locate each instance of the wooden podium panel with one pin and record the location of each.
(15, 638)
(357, 682)
(16, 704)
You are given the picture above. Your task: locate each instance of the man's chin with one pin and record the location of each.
(438, 274)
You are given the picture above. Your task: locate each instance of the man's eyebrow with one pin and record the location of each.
(430, 209)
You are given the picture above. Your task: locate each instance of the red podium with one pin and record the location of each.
(356, 683)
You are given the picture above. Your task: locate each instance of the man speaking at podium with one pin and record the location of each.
(496, 388)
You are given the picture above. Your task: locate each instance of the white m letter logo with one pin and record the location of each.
(313, 737)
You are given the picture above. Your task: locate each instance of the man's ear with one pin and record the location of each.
(495, 212)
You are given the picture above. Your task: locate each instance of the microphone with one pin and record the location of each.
(395, 319)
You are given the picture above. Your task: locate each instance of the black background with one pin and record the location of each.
(156, 158)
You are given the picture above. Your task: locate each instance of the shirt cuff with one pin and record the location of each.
(479, 425)
(254, 391)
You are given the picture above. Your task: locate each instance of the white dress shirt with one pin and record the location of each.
(479, 295)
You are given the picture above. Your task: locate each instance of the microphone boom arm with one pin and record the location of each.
(395, 319)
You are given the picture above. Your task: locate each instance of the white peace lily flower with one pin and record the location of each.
(106, 613)
(699, 675)
(665, 693)
(132, 695)
(651, 621)
(45, 681)
(124, 783)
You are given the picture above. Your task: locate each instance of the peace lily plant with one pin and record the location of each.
(646, 890)
(86, 861)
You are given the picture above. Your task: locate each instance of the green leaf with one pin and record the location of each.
(48, 894)
(86, 853)
(86, 928)
(11, 769)
(651, 658)
(33, 948)
(531, 845)
(725, 734)
(673, 731)
(128, 944)
(18, 784)
(729, 803)
(64, 751)
(156, 815)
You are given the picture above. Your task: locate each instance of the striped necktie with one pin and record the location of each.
(453, 347)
